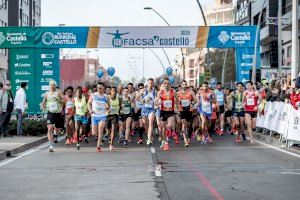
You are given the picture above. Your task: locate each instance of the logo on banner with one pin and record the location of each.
(22, 57)
(119, 41)
(240, 37)
(2, 38)
(223, 37)
(49, 38)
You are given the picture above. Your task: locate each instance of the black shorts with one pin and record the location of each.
(222, 109)
(187, 115)
(166, 114)
(253, 114)
(137, 115)
(55, 119)
(239, 114)
(228, 113)
(111, 119)
(123, 118)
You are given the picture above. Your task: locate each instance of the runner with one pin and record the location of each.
(97, 105)
(228, 109)
(148, 112)
(205, 100)
(69, 118)
(81, 119)
(186, 102)
(219, 93)
(167, 98)
(113, 117)
(238, 112)
(126, 115)
(53, 102)
(137, 116)
(250, 102)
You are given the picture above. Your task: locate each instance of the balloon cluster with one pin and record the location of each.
(169, 72)
(110, 71)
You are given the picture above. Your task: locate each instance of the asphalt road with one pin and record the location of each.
(222, 170)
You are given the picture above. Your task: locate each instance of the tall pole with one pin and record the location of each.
(223, 68)
(143, 63)
(279, 37)
(254, 67)
(295, 41)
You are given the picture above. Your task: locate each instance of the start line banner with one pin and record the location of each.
(128, 37)
(281, 118)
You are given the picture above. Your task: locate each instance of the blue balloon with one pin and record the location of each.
(171, 79)
(169, 71)
(100, 73)
(161, 80)
(111, 71)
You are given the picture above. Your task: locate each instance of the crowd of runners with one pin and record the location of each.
(128, 114)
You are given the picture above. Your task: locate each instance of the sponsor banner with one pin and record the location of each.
(46, 69)
(231, 36)
(244, 62)
(294, 125)
(15, 37)
(129, 37)
(61, 37)
(21, 69)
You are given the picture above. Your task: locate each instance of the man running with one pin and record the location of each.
(205, 100)
(167, 98)
(250, 103)
(220, 96)
(238, 112)
(126, 115)
(53, 103)
(97, 105)
(113, 117)
(69, 118)
(186, 99)
(137, 116)
(81, 120)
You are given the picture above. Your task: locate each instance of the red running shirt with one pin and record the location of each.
(167, 100)
(250, 101)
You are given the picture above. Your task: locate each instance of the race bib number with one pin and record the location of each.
(238, 105)
(139, 104)
(11, 100)
(53, 106)
(220, 98)
(250, 101)
(113, 110)
(99, 108)
(69, 104)
(185, 103)
(206, 107)
(167, 103)
(79, 108)
(126, 110)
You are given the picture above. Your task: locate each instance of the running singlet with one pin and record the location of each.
(238, 102)
(52, 104)
(99, 105)
(250, 101)
(185, 101)
(69, 105)
(126, 108)
(220, 97)
(81, 106)
(167, 100)
(205, 105)
(148, 98)
(114, 106)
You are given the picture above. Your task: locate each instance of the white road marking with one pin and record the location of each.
(278, 149)
(28, 152)
(157, 170)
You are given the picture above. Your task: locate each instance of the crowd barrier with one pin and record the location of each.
(283, 119)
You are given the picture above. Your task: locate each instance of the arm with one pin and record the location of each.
(157, 98)
(90, 104)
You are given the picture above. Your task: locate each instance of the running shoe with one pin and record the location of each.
(125, 142)
(162, 144)
(98, 149)
(176, 139)
(149, 142)
(168, 139)
(221, 132)
(51, 149)
(204, 141)
(78, 146)
(210, 140)
(186, 144)
(199, 138)
(68, 142)
(85, 140)
(238, 139)
(120, 140)
(166, 147)
(132, 133)
(111, 147)
(252, 142)
(140, 141)
(168, 133)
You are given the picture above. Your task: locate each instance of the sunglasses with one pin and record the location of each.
(166, 83)
(7, 84)
(100, 88)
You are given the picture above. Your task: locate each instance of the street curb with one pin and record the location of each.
(22, 148)
(274, 142)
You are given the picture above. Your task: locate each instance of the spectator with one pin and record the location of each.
(20, 106)
(3, 105)
(6, 110)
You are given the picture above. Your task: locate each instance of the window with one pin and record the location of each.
(3, 23)
(25, 19)
(283, 56)
(3, 4)
(191, 63)
(192, 74)
(37, 9)
(289, 52)
(25, 1)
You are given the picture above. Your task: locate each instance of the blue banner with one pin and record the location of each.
(244, 63)
(231, 36)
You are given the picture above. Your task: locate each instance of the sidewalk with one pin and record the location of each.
(10, 146)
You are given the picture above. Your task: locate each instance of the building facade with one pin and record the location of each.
(17, 13)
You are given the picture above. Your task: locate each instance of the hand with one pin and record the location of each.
(91, 112)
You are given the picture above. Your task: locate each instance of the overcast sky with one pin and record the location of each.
(123, 13)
